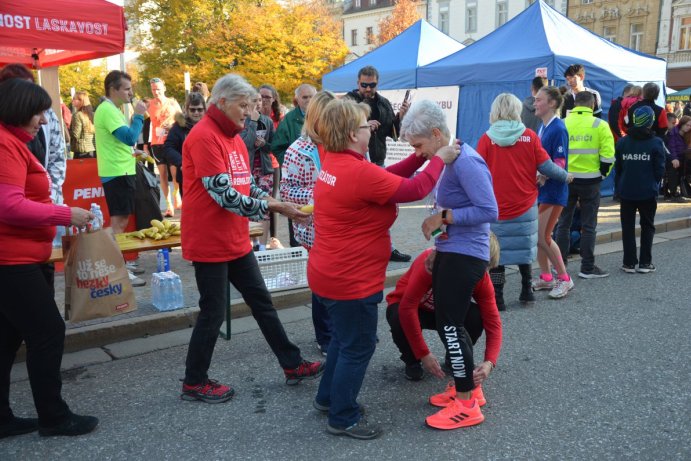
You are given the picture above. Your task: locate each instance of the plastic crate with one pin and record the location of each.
(283, 269)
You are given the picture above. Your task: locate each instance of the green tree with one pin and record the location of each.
(82, 76)
(284, 44)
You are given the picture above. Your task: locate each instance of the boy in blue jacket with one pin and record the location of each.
(640, 166)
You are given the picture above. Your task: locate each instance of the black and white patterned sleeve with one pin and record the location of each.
(221, 190)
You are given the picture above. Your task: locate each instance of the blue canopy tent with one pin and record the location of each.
(397, 60)
(539, 38)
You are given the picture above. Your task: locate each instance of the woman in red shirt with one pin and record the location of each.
(355, 205)
(27, 227)
(514, 155)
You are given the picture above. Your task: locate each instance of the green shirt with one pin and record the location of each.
(114, 157)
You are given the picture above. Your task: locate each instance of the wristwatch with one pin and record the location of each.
(444, 219)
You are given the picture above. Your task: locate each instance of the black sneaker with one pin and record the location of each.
(361, 430)
(71, 426)
(628, 269)
(18, 426)
(645, 268)
(594, 273)
(413, 371)
(399, 257)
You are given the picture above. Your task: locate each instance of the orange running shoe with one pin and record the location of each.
(456, 415)
(449, 394)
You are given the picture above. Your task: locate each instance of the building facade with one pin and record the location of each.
(361, 23)
(630, 23)
(469, 20)
(674, 42)
(463, 20)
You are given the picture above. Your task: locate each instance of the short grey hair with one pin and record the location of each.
(505, 107)
(231, 87)
(421, 118)
(302, 87)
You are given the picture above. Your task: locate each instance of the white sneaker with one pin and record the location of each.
(561, 289)
(540, 284)
(133, 266)
(136, 281)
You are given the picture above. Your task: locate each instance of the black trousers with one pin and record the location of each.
(627, 213)
(212, 283)
(28, 313)
(673, 179)
(428, 321)
(454, 277)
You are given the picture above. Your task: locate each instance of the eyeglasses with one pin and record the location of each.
(196, 109)
(364, 126)
(264, 96)
(368, 85)
(155, 80)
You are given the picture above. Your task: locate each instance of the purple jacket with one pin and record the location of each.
(676, 144)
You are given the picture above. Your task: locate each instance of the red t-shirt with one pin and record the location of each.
(514, 170)
(211, 233)
(352, 218)
(413, 292)
(24, 245)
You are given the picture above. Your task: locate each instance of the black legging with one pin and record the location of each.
(454, 277)
(428, 321)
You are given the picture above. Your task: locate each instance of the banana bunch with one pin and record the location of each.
(141, 155)
(159, 230)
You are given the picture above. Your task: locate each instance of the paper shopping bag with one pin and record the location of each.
(96, 281)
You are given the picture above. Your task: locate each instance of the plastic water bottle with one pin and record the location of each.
(163, 260)
(97, 223)
(166, 291)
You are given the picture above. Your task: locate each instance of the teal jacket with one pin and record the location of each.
(288, 131)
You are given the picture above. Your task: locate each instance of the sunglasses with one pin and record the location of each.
(195, 109)
(368, 85)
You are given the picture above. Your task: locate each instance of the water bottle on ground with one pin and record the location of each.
(166, 292)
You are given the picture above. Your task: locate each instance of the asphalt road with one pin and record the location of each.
(602, 374)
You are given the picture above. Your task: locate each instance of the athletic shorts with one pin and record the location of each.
(159, 154)
(119, 193)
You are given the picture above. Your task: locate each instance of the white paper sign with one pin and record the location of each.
(446, 97)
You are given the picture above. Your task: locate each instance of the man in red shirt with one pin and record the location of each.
(219, 198)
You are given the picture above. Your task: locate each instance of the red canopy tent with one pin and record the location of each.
(49, 33)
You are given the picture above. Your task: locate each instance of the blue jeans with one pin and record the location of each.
(353, 340)
(321, 321)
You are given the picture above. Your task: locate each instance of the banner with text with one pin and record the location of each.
(445, 96)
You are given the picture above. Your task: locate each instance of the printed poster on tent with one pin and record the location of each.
(446, 97)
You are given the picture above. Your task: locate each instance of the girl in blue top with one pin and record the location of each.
(553, 195)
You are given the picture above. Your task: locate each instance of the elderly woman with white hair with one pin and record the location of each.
(514, 156)
(219, 198)
(462, 255)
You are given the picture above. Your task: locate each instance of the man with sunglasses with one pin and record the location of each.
(382, 122)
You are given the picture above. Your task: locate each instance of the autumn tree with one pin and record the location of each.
(82, 76)
(405, 13)
(284, 44)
